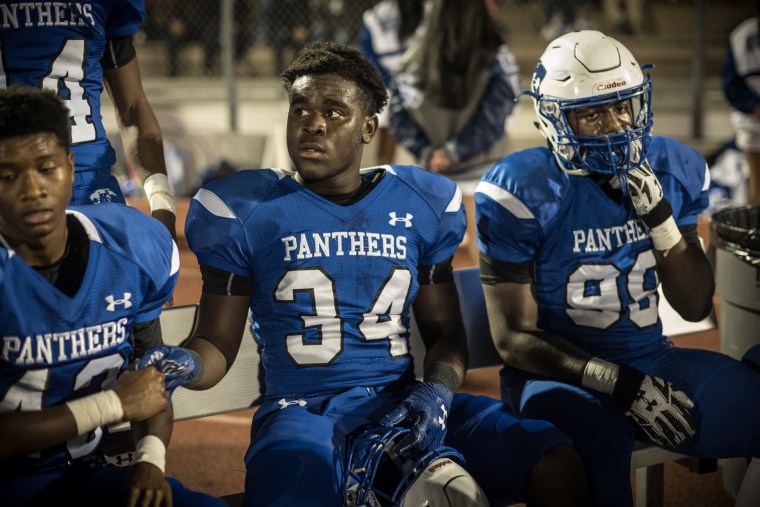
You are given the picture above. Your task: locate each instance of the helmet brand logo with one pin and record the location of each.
(613, 85)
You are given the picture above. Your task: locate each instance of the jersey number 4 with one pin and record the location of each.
(381, 322)
(64, 77)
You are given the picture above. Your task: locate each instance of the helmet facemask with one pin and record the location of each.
(375, 475)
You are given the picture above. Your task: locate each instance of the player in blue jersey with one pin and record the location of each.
(80, 298)
(331, 259)
(740, 81)
(74, 48)
(575, 240)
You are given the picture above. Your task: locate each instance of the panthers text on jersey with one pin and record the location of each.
(57, 348)
(332, 285)
(595, 272)
(58, 46)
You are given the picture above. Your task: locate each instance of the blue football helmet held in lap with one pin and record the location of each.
(585, 69)
(377, 477)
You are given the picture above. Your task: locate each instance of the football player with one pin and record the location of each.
(575, 240)
(741, 66)
(330, 259)
(74, 48)
(80, 295)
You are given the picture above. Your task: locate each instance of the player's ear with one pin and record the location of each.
(369, 129)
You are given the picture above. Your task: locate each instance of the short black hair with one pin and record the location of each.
(345, 61)
(25, 111)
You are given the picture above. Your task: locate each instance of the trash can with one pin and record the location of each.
(735, 234)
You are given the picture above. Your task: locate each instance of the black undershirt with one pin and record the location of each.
(365, 185)
(67, 273)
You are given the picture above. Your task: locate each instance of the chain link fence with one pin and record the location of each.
(182, 37)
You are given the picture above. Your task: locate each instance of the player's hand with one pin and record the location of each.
(652, 208)
(646, 195)
(426, 411)
(147, 486)
(142, 393)
(439, 161)
(662, 410)
(179, 365)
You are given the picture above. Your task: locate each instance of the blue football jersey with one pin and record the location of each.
(57, 348)
(332, 285)
(58, 46)
(594, 267)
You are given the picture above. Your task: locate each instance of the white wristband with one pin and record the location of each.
(159, 195)
(600, 375)
(151, 449)
(665, 236)
(96, 410)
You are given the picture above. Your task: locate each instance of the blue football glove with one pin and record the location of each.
(426, 410)
(179, 365)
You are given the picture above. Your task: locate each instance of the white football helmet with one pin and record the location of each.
(585, 69)
(377, 477)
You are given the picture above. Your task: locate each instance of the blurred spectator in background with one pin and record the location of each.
(387, 30)
(624, 16)
(289, 28)
(740, 77)
(454, 92)
(556, 23)
(455, 88)
(199, 21)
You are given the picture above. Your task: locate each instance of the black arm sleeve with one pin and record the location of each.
(493, 271)
(436, 273)
(118, 52)
(223, 283)
(146, 335)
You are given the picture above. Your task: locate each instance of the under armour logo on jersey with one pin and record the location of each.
(394, 219)
(442, 418)
(123, 301)
(102, 195)
(285, 404)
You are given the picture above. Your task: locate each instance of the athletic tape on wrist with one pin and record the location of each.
(600, 375)
(156, 188)
(659, 214)
(665, 236)
(96, 410)
(151, 449)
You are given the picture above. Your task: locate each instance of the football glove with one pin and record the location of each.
(652, 208)
(659, 408)
(426, 410)
(180, 366)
